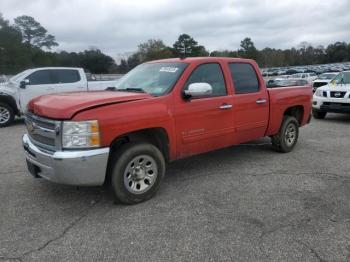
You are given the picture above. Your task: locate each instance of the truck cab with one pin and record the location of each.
(23, 87)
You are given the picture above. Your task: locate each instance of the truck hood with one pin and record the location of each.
(66, 105)
(330, 87)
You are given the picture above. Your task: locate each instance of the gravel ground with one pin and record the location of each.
(244, 203)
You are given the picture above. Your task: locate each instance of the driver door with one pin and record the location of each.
(40, 83)
(205, 124)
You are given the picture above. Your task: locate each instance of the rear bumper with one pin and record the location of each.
(80, 168)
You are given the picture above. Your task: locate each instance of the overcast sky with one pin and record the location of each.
(118, 26)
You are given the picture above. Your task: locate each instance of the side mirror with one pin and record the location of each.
(197, 90)
(24, 83)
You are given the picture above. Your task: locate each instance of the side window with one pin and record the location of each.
(65, 76)
(211, 74)
(244, 78)
(41, 77)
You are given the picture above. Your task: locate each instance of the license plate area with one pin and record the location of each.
(33, 169)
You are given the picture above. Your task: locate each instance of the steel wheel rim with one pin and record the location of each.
(290, 134)
(140, 174)
(4, 115)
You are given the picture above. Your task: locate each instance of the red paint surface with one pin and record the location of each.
(193, 127)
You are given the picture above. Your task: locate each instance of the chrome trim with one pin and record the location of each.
(81, 168)
(261, 101)
(47, 129)
(225, 106)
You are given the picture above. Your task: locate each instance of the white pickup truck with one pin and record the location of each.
(23, 87)
(333, 97)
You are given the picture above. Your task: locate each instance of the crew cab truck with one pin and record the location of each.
(20, 89)
(159, 112)
(333, 97)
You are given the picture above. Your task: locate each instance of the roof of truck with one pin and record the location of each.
(207, 58)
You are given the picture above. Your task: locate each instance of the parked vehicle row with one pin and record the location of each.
(21, 88)
(159, 112)
(317, 69)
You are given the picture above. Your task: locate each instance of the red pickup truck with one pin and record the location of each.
(159, 112)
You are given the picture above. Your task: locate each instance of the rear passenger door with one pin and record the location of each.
(250, 102)
(68, 80)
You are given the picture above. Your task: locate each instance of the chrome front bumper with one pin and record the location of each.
(80, 168)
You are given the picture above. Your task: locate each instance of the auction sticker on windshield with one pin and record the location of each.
(168, 69)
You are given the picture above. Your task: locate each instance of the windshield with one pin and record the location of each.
(342, 79)
(153, 78)
(18, 77)
(327, 76)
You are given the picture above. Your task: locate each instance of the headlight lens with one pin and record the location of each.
(80, 134)
(319, 93)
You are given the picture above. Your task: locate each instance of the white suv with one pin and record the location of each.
(333, 97)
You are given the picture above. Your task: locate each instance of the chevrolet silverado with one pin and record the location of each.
(159, 112)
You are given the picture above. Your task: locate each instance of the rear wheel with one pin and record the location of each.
(6, 115)
(317, 114)
(138, 169)
(287, 136)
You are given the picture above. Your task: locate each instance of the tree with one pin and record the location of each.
(248, 49)
(186, 45)
(95, 61)
(153, 49)
(13, 56)
(33, 33)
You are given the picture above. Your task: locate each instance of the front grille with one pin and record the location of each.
(337, 94)
(43, 132)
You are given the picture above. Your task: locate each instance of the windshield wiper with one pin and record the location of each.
(131, 89)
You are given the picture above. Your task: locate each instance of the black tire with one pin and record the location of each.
(317, 114)
(7, 115)
(283, 142)
(121, 162)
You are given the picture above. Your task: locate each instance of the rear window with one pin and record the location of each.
(65, 76)
(244, 78)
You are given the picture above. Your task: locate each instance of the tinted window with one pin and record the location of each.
(211, 74)
(41, 77)
(244, 78)
(64, 76)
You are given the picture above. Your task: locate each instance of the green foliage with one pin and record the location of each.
(21, 48)
(33, 33)
(187, 46)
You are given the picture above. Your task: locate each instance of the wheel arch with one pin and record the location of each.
(9, 100)
(296, 111)
(157, 136)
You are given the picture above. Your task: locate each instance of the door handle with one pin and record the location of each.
(261, 101)
(225, 106)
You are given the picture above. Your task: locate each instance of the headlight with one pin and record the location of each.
(80, 134)
(319, 93)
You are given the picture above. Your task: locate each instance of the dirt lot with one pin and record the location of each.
(245, 203)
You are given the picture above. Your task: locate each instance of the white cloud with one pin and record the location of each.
(118, 26)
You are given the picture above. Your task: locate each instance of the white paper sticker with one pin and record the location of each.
(168, 69)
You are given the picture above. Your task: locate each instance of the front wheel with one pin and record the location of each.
(138, 169)
(317, 114)
(287, 136)
(6, 115)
